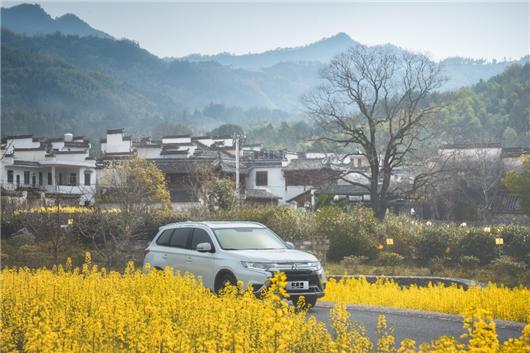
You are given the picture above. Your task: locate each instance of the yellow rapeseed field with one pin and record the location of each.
(64, 210)
(91, 310)
(504, 303)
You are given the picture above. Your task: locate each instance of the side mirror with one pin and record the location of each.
(204, 247)
(289, 245)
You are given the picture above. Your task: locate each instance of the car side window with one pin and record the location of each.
(180, 237)
(164, 238)
(200, 236)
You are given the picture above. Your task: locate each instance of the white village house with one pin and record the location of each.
(53, 168)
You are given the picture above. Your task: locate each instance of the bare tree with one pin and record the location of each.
(474, 174)
(50, 227)
(376, 100)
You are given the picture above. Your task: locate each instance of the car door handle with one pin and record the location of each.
(188, 259)
(164, 256)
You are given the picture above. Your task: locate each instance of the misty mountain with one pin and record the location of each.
(31, 19)
(57, 81)
(44, 94)
(174, 83)
(321, 51)
(459, 71)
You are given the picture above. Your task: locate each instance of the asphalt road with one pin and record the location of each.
(420, 326)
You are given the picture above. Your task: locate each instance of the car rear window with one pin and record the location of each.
(180, 237)
(164, 238)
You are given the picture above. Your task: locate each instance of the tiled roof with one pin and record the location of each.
(26, 163)
(259, 194)
(183, 165)
(306, 164)
(175, 136)
(470, 146)
(515, 151)
(349, 190)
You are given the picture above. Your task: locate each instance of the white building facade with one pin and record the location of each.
(58, 168)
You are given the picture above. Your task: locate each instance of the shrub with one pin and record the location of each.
(516, 241)
(434, 243)
(352, 262)
(389, 259)
(508, 265)
(349, 233)
(470, 262)
(480, 245)
(404, 231)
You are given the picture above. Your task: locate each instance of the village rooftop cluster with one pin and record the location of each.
(62, 168)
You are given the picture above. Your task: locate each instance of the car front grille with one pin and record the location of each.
(315, 286)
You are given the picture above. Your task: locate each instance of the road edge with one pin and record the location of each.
(505, 324)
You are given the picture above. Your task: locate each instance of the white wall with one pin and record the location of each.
(275, 181)
(21, 143)
(116, 144)
(32, 156)
(148, 152)
(184, 139)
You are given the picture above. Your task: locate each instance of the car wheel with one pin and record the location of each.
(309, 301)
(225, 278)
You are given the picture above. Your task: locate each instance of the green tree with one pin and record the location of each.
(518, 182)
(220, 194)
(227, 130)
(137, 188)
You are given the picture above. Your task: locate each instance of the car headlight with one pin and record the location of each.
(316, 266)
(257, 265)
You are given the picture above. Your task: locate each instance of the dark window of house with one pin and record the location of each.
(73, 179)
(18, 179)
(50, 179)
(180, 237)
(40, 178)
(164, 238)
(26, 178)
(261, 178)
(33, 180)
(60, 178)
(9, 176)
(200, 236)
(87, 178)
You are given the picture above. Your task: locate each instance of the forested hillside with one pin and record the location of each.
(492, 110)
(88, 82)
(495, 110)
(46, 95)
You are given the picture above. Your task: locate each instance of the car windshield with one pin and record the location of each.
(248, 239)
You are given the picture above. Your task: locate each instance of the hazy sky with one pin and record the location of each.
(441, 29)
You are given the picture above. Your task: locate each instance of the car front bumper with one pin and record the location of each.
(316, 279)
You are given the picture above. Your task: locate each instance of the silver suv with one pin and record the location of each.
(221, 252)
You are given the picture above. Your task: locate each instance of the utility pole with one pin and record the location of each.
(237, 167)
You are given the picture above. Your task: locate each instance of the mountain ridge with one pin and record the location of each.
(31, 19)
(132, 76)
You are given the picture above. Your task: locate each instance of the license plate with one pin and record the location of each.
(297, 285)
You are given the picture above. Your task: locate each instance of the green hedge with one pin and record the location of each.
(354, 232)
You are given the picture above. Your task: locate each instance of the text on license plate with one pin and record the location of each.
(297, 285)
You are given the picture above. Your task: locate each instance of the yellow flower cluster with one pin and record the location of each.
(504, 303)
(64, 209)
(91, 310)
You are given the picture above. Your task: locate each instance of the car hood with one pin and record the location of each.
(277, 255)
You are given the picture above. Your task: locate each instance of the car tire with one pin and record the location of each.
(223, 279)
(310, 301)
